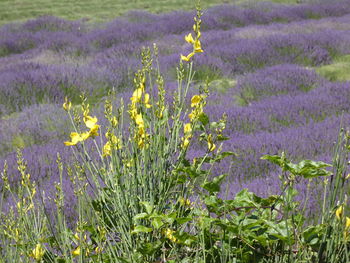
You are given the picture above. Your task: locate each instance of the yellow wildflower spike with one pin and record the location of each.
(76, 252)
(67, 104)
(107, 150)
(339, 212)
(211, 145)
(90, 122)
(38, 252)
(189, 38)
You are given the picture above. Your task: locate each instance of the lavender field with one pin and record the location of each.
(260, 63)
(277, 72)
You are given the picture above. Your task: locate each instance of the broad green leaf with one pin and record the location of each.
(140, 216)
(214, 185)
(203, 118)
(141, 229)
(183, 220)
(147, 206)
(157, 222)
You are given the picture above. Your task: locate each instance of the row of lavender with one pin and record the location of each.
(277, 104)
(45, 75)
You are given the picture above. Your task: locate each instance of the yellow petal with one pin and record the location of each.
(189, 38)
(188, 57)
(146, 101)
(136, 95)
(76, 252)
(339, 212)
(197, 46)
(187, 128)
(75, 138)
(139, 120)
(90, 121)
(347, 223)
(94, 131)
(38, 252)
(107, 149)
(67, 104)
(196, 99)
(211, 145)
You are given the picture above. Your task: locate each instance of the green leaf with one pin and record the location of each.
(311, 169)
(183, 220)
(147, 206)
(305, 168)
(157, 222)
(140, 216)
(203, 118)
(149, 248)
(214, 185)
(141, 229)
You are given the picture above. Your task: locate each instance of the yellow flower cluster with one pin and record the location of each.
(139, 97)
(197, 48)
(113, 143)
(339, 214)
(169, 233)
(185, 202)
(187, 135)
(197, 104)
(91, 124)
(38, 252)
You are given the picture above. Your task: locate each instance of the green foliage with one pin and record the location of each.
(337, 71)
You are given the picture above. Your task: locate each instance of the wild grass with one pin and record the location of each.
(337, 71)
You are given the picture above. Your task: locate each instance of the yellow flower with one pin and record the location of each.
(189, 38)
(93, 131)
(188, 57)
(139, 120)
(90, 122)
(339, 212)
(146, 101)
(187, 128)
(192, 115)
(170, 235)
(76, 252)
(67, 104)
(38, 252)
(196, 99)
(211, 145)
(347, 223)
(185, 201)
(136, 95)
(75, 138)
(185, 142)
(197, 46)
(107, 149)
(98, 250)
